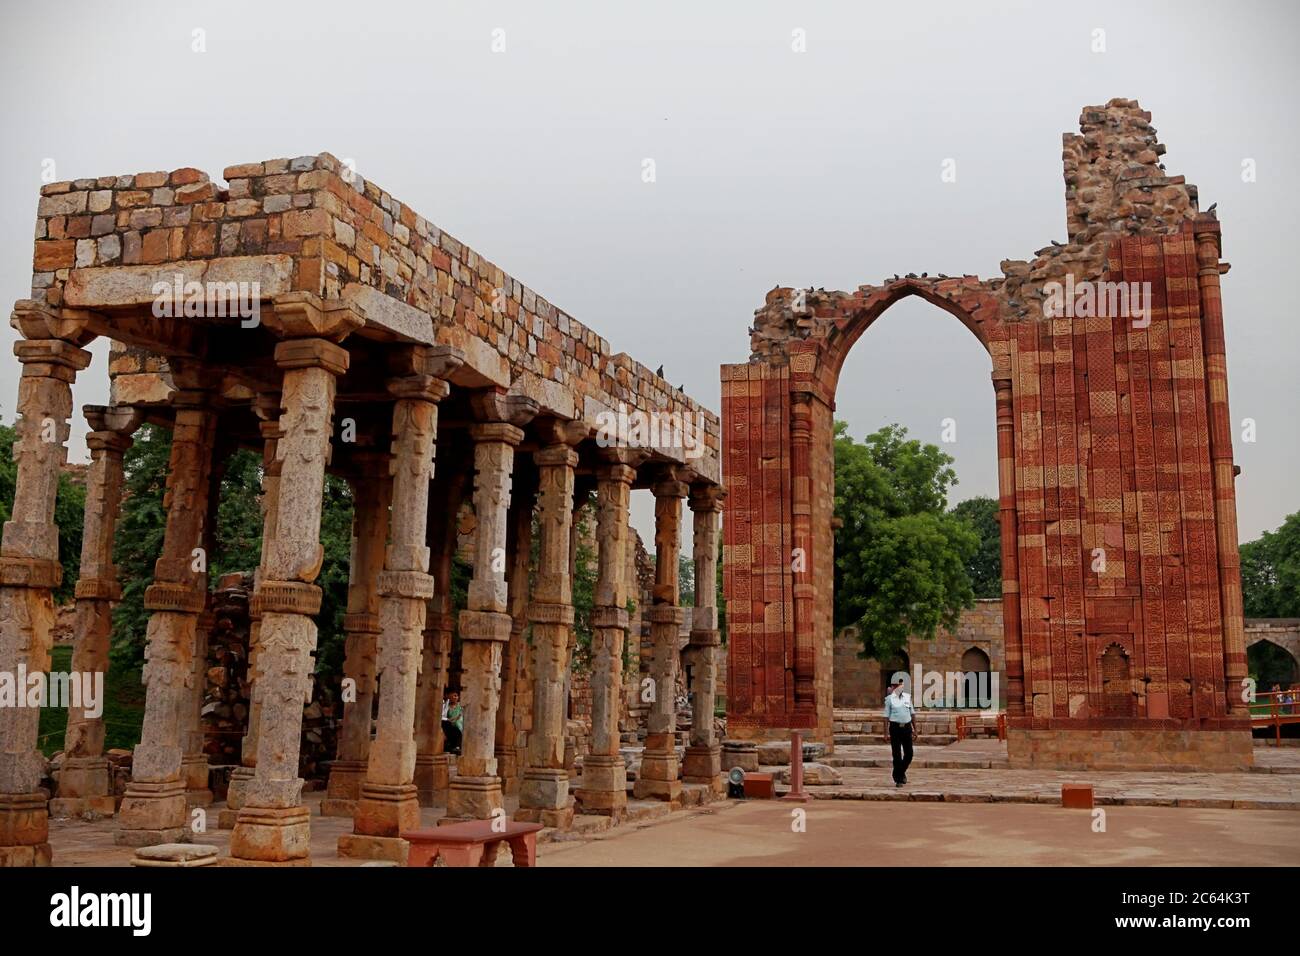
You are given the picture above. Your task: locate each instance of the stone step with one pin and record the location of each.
(917, 795)
(861, 740)
(931, 763)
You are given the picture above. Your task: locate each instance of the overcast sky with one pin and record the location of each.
(773, 167)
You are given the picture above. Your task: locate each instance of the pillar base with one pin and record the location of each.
(265, 835)
(560, 818)
(24, 830)
(94, 808)
(704, 765)
(194, 771)
(432, 777)
(385, 810)
(508, 769)
(604, 786)
(660, 777)
(544, 788)
(343, 789)
(152, 813)
(240, 778)
(472, 798)
(85, 786)
(358, 846)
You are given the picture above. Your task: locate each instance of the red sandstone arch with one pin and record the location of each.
(1114, 438)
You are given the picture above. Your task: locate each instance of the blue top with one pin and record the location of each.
(899, 708)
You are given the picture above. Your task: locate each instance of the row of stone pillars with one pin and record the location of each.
(398, 623)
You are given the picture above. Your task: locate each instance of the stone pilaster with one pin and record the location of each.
(388, 803)
(659, 778)
(154, 807)
(85, 781)
(519, 546)
(273, 826)
(544, 791)
(475, 791)
(51, 356)
(703, 760)
(371, 494)
(604, 776)
(267, 408)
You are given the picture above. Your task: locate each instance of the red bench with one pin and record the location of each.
(474, 843)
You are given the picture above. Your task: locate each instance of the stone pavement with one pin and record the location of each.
(974, 771)
(758, 833)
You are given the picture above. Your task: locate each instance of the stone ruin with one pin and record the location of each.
(304, 312)
(1114, 439)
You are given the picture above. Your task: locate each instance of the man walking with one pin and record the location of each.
(899, 715)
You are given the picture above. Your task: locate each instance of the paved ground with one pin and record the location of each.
(913, 834)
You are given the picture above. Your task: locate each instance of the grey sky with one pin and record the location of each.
(773, 167)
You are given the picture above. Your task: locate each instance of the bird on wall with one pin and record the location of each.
(660, 371)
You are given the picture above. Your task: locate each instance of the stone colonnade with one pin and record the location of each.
(399, 620)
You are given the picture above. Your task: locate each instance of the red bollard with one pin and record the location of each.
(796, 770)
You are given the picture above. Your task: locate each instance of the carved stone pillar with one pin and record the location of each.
(432, 762)
(273, 826)
(388, 803)
(85, 781)
(544, 790)
(703, 760)
(154, 807)
(267, 408)
(371, 494)
(604, 776)
(1010, 549)
(519, 546)
(475, 791)
(51, 356)
(659, 778)
(1224, 470)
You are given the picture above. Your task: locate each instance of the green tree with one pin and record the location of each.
(985, 565)
(900, 558)
(1270, 572)
(69, 511)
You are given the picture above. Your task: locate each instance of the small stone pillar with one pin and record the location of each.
(544, 790)
(273, 826)
(267, 408)
(388, 803)
(432, 762)
(51, 356)
(703, 760)
(85, 781)
(659, 777)
(475, 791)
(604, 777)
(154, 807)
(371, 493)
(519, 545)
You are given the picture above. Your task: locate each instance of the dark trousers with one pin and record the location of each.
(900, 741)
(451, 737)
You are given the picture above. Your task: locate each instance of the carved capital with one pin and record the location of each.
(172, 596)
(97, 589)
(497, 432)
(561, 431)
(665, 614)
(497, 405)
(51, 358)
(424, 388)
(304, 315)
(360, 622)
(707, 497)
(406, 584)
(312, 353)
(605, 616)
(710, 637)
(35, 320)
(671, 489)
(556, 456)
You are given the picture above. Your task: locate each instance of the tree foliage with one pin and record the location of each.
(985, 565)
(900, 559)
(1270, 572)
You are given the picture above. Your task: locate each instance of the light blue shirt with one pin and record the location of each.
(898, 709)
